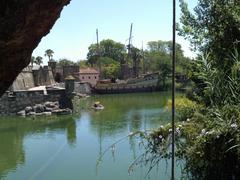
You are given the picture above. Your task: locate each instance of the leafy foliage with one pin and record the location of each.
(110, 68)
(208, 142)
(38, 60)
(212, 143)
(32, 60)
(215, 152)
(156, 58)
(208, 136)
(65, 62)
(159, 58)
(214, 27)
(214, 86)
(185, 108)
(49, 53)
(83, 63)
(107, 48)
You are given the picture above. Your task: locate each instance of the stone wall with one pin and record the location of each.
(79, 87)
(59, 74)
(24, 80)
(72, 70)
(83, 88)
(29, 78)
(12, 102)
(43, 76)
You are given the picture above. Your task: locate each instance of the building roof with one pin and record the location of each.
(88, 71)
(69, 77)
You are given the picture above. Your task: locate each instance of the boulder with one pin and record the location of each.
(62, 111)
(28, 109)
(31, 114)
(39, 108)
(47, 109)
(21, 113)
(50, 104)
(47, 113)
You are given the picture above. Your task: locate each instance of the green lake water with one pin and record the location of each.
(67, 147)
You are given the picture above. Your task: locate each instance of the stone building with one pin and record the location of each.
(33, 76)
(43, 76)
(58, 75)
(24, 80)
(61, 72)
(89, 75)
(71, 70)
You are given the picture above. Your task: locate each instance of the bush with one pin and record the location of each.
(215, 152)
(208, 142)
(185, 108)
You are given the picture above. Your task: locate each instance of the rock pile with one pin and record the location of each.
(47, 108)
(81, 95)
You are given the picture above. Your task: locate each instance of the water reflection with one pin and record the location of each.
(14, 130)
(124, 114)
(59, 147)
(129, 111)
(11, 151)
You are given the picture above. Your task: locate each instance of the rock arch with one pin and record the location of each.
(22, 25)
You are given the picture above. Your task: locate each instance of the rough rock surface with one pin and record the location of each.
(47, 108)
(22, 25)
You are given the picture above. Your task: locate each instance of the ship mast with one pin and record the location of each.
(143, 59)
(130, 41)
(98, 54)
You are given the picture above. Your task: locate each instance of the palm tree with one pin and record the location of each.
(49, 53)
(38, 60)
(33, 60)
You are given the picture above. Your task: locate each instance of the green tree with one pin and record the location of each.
(32, 60)
(214, 28)
(49, 53)
(165, 47)
(158, 50)
(65, 62)
(160, 62)
(110, 68)
(112, 49)
(38, 60)
(164, 66)
(136, 56)
(158, 58)
(106, 48)
(83, 63)
(159, 46)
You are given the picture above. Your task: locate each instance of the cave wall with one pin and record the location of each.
(22, 25)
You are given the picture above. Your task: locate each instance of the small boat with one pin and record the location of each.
(97, 106)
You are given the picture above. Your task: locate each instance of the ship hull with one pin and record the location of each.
(119, 90)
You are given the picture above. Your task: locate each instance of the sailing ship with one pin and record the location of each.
(144, 83)
(132, 81)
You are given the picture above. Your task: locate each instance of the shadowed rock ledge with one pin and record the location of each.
(22, 25)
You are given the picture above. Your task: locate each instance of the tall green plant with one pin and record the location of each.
(215, 86)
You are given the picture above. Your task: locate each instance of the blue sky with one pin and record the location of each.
(75, 30)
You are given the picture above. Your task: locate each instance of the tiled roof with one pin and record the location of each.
(88, 71)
